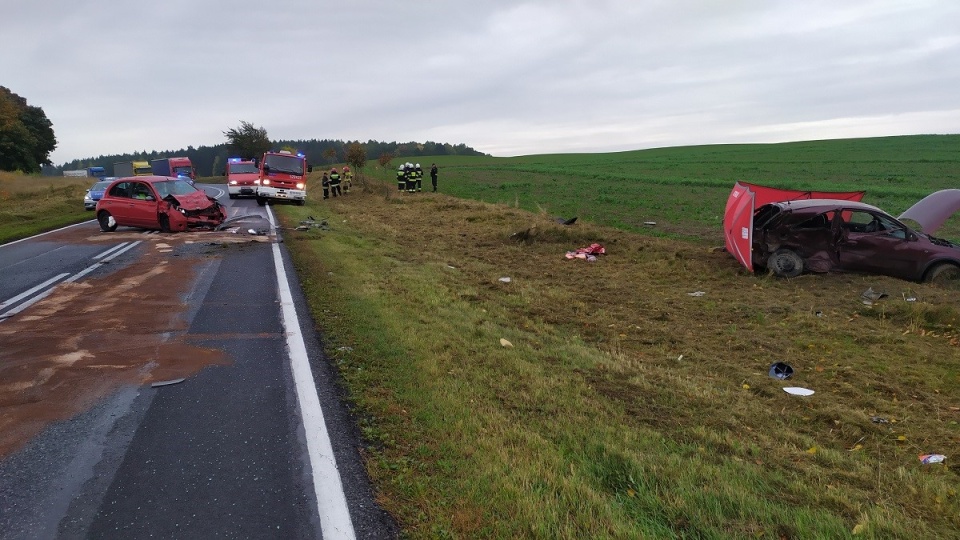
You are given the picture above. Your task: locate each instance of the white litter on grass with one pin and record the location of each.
(506, 343)
(798, 391)
(696, 293)
(504, 279)
(451, 267)
(650, 223)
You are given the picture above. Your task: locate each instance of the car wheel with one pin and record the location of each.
(261, 201)
(944, 274)
(164, 223)
(301, 202)
(785, 263)
(107, 223)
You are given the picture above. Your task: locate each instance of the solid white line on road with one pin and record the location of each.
(331, 500)
(107, 252)
(96, 265)
(32, 290)
(41, 234)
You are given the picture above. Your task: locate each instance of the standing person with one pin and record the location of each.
(325, 182)
(347, 179)
(411, 178)
(401, 178)
(335, 182)
(433, 176)
(419, 172)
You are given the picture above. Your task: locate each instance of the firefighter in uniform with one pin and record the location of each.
(411, 179)
(325, 182)
(347, 179)
(401, 179)
(419, 173)
(335, 182)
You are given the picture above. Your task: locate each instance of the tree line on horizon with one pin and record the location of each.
(211, 160)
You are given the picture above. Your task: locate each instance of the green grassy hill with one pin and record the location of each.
(684, 189)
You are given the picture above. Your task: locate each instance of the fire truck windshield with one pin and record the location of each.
(284, 163)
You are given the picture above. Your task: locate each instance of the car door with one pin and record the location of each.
(143, 206)
(876, 243)
(117, 202)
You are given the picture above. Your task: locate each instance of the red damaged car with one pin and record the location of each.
(157, 202)
(822, 235)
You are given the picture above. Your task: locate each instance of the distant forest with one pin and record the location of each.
(211, 160)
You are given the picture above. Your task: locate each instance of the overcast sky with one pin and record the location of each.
(507, 78)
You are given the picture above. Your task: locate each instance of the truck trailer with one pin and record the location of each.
(174, 166)
(132, 168)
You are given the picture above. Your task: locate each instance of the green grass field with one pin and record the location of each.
(684, 189)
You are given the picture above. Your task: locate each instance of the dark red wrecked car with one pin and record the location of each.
(157, 202)
(823, 235)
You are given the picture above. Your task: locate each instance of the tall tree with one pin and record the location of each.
(26, 134)
(357, 158)
(248, 141)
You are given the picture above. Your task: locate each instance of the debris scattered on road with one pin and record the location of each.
(167, 383)
(564, 221)
(345, 349)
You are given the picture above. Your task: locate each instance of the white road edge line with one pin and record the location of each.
(48, 232)
(32, 290)
(331, 500)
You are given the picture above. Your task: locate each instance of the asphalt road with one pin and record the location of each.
(100, 437)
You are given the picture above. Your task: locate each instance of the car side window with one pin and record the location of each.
(819, 221)
(141, 191)
(892, 228)
(122, 189)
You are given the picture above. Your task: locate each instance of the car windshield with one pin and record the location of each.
(100, 186)
(181, 171)
(238, 168)
(284, 163)
(173, 187)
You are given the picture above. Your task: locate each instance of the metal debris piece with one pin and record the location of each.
(879, 420)
(780, 370)
(167, 383)
(870, 296)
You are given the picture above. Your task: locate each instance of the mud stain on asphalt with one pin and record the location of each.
(62, 355)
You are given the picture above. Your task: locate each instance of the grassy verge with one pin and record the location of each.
(625, 407)
(34, 204)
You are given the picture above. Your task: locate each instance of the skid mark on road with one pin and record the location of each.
(86, 338)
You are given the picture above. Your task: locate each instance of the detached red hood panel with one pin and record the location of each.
(743, 201)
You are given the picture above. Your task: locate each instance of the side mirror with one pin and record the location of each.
(266, 168)
(309, 168)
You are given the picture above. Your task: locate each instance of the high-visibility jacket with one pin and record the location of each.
(334, 179)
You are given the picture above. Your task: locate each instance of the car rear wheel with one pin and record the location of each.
(785, 263)
(301, 202)
(107, 223)
(944, 274)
